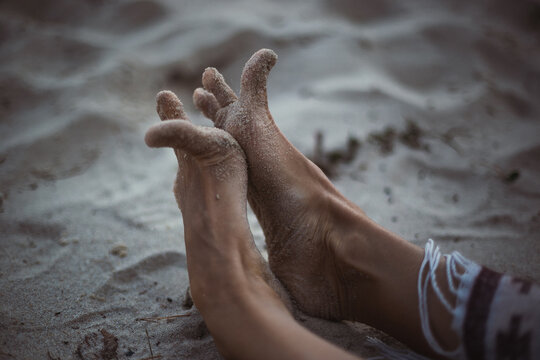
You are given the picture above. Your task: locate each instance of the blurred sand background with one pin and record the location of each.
(428, 114)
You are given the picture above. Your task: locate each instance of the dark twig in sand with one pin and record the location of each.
(506, 176)
(150, 346)
(157, 319)
(52, 357)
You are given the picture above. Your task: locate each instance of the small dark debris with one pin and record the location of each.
(344, 155)
(187, 303)
(65, 342)
(129, 353)
(353, 145)
(384, 140)
(110, 345)
(512, 177)
(455, 198)
(328, 161)
(412, 136)
(335, 157)
(387, 190)
(169, 299)
(394, 219)
(50, 357)
(57, 313)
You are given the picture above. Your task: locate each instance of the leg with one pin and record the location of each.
(335, 262)
(244, 306)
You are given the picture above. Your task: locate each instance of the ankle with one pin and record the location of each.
(388, 264)
(234, 289)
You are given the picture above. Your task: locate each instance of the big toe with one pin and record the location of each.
(202, 143)
(255, 75)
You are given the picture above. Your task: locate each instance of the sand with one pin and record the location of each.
(428, 112)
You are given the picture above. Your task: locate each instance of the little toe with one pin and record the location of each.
(255, 75)
(169, 106)
(214, 82)
(206, 102)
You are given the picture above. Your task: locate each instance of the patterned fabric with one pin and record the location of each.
(502, 318)
(496, 316)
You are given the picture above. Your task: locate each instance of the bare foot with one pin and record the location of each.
(226, 271)
(306, 221)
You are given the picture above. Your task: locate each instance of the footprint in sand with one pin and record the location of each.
(65, 153)
(33, 247)
(145, 277)
(100, 345)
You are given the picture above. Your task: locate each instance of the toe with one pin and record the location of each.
(255, 75)
(197, 141)
(214, 82)
(206, 102)
(169, 106)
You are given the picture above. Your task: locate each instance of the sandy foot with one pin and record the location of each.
(304, 218)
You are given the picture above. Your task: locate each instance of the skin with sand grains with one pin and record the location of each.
(230, 282)
(326, 252)
(330, 257)
(284, 192)
(211, 175)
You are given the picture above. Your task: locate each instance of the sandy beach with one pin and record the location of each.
(425, 114)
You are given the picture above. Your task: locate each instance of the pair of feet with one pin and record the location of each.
(321, 246)
(247, 157)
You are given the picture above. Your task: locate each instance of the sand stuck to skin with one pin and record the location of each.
(429, 120)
